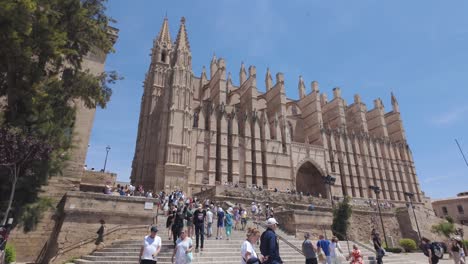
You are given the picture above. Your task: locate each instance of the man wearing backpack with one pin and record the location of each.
(432, 250)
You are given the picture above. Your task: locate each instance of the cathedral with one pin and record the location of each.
(195, 132)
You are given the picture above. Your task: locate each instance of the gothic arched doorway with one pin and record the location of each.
(309, 180)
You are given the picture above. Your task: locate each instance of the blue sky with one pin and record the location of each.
(417, 49)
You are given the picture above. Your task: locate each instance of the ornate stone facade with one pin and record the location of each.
(196, 132)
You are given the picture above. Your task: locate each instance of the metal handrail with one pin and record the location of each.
(93, 238)
(281, 238)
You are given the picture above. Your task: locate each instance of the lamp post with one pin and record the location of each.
(377, 190)
(329, 180)
(108, 148)
(410, 196)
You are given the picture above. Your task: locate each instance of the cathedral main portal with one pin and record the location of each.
(310, 180)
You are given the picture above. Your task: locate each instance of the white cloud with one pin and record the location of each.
(451, 116)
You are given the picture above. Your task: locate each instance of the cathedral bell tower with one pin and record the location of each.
(163, 149)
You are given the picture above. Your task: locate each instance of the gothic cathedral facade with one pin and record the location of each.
(195, 132)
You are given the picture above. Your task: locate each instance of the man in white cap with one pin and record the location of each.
(269, 246)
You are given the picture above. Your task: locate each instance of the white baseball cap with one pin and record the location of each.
(271, 221)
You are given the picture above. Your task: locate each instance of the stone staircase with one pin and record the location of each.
(215, 251)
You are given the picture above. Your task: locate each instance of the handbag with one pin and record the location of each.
(189, 257)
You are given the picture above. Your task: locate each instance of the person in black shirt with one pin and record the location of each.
(178, 224)
(199, 222)
(377, 246)
(429, 251)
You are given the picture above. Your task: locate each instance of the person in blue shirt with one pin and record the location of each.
(325, 246)
(269, 246)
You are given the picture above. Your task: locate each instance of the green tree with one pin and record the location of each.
(341, 215)
(444, 228)
(43, 44)
(18, 153)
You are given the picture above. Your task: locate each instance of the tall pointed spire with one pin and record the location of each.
(301, 87)
(164, 37)
(268, 80)
(242, 74)
(395, 106)
(213, 65)
(182, 42)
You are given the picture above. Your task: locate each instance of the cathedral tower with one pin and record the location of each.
(162, 147)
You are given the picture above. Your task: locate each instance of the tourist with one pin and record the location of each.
(269, 246)
(150, 248)
(220, 223)
(379, 251)
(199, 222)
(169, 222)
(236, 217)
(428, 250)
(324, 245)
(254, 210)
(209, 222)
(178, 224)
(100, 238)
(243, 218)
(228, 223)
(336, 253)
(248, 254)
(456, 249)
(183, 249)
(309, 250)
(355, 256)
(188, 212)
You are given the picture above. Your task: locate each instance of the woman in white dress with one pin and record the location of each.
(248, 254)
(336, 253)
(183, 249)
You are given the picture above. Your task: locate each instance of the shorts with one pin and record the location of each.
(243, 220)
(220, 224)
(148, 261)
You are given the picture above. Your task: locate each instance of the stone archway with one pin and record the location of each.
(309, 179)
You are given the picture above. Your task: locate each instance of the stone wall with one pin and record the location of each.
(425, 220)
(95, 181)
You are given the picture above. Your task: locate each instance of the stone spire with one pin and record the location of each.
(315, 86)
(395, 106)
(268, 80)
(213, 65)
(164, 37)
(301, 87)
(182, 42)
(242, 74)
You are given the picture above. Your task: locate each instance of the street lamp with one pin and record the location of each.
(108, 148)
(377, 190)
(329, 180)
(410, 196)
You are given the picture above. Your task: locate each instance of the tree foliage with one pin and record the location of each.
(341, 215)
(43, 75)
(444, 228)
(19, 152)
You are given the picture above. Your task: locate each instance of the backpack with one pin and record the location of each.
(437, 250)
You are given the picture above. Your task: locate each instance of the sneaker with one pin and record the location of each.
(196, 250)
(201, 249)
(216, 237)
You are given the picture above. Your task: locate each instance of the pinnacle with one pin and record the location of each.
(182, 37)
(164, 36)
